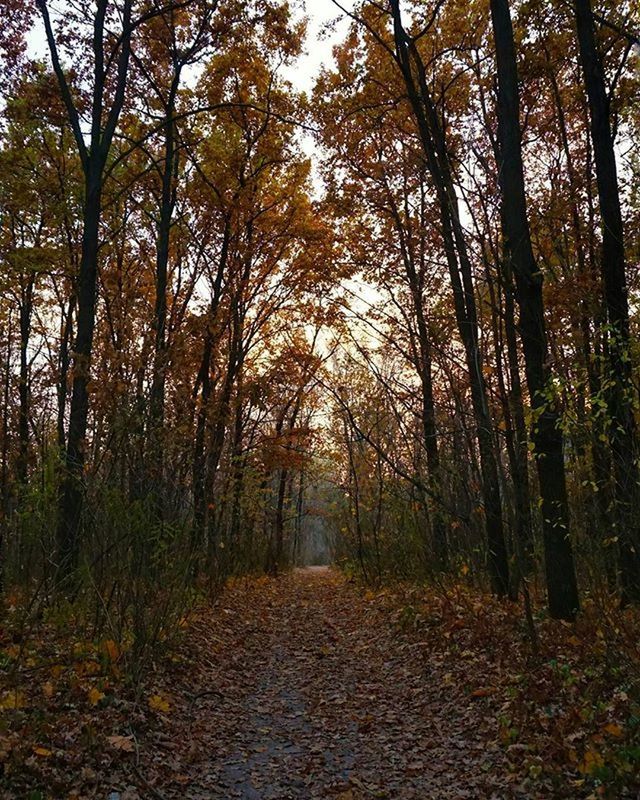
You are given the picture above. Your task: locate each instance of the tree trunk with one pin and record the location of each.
(460, 271)
(64, 360)
(424, 369)
(204, 381)
(622, 434)
(163, 235)
(26, 309)
(72, 488)
(546, 433)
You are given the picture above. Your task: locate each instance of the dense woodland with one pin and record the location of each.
(398, 312)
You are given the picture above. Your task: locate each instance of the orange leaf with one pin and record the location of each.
(125, 743)
(111, 649)
(485, 691)
(591, 763)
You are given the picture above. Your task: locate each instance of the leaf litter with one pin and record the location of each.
(305, 686)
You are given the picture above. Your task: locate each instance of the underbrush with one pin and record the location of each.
(72, 694)
(84, 660)
(78, 653)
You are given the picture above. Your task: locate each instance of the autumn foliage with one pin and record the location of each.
(389, 323)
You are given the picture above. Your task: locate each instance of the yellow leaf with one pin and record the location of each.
(613, 730)
(125, 743)
(159, 703)
(13, 700)
(591, 763)
(95, 696)
(42, 751)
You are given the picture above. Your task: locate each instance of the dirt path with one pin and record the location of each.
(303, 689)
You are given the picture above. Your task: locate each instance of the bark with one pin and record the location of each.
(64, 361)
(72, 488)
(5, 511)
(428, 417)
(163, 236)
(204, 382)
(26, 310)
(104, 119)
(515, 431)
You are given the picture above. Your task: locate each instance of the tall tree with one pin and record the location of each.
(546, 431)
(621, 395)
(438, 161)
(107, 91)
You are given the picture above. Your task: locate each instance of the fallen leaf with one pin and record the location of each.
(613, 730)
(125, 743)
(13, 700)
(591, 762)
(159, 703)
(485, 691)
(95, 696)
(111, 649)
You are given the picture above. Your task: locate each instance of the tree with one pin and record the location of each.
(438, 160)
(546, 432)
(105, 106)
(621, 396)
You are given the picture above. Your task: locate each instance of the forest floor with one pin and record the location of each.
(307, 692)
(307, 686)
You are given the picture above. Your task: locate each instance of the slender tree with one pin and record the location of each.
(107, 98)
(438, 161)
(546, 431)
(621, 394)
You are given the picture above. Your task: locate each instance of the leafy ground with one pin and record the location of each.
(307, 686)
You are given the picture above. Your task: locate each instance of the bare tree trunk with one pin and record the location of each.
(93, 158)
(26, 310)
(160, 362)
(72, 488)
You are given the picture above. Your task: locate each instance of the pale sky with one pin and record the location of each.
(319, 42)
(302, 75)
